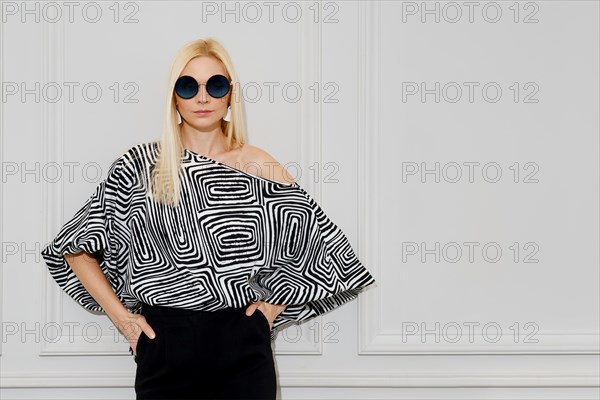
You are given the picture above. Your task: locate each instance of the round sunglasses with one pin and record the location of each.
(217, 86)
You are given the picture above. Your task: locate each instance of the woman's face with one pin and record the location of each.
(202, 68)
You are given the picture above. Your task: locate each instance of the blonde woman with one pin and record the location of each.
(199, 246)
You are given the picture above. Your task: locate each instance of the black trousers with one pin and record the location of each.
(221, 354)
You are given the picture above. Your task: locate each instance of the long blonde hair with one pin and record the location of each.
(165, 176)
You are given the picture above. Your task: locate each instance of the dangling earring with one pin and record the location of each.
(227, 116)
(178, 115)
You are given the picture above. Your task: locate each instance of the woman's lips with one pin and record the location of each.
(202, 112)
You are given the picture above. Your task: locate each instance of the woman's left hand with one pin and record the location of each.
(271, 311)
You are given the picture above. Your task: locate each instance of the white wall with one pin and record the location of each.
(381, 128)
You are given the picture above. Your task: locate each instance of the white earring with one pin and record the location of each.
(227, 116)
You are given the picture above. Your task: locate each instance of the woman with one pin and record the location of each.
(196, 260)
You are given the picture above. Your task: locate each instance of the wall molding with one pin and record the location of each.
(371, 379)
(373, 339)
(1, 185)
(309, 137)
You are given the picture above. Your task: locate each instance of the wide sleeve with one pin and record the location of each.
(97, 228)
(315, 269)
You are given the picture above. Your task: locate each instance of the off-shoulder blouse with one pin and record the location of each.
(234, 239)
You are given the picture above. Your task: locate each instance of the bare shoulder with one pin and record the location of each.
(259, 162)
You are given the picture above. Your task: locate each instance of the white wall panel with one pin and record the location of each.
(385, 99)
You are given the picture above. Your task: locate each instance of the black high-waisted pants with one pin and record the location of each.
(221, 354)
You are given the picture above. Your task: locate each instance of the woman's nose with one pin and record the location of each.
(202, 95)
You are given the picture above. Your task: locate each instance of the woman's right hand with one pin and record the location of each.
(88, 271)
(131, 326)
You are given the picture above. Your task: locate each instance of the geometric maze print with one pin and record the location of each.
(234, 239)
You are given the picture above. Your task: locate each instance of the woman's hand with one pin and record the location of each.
(271, 311)
(131, 326)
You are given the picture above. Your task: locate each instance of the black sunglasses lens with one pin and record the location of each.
(186, 87)
(217, 86)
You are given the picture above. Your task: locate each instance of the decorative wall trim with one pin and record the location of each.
(368, 182)
(1, 185)
(309, 145)
(379, 379)
(372, 339)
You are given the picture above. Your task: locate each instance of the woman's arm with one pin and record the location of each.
(88, 271)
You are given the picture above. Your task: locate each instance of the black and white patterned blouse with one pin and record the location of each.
(236, 238)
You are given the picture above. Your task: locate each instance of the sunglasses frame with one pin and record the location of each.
(198, 86)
